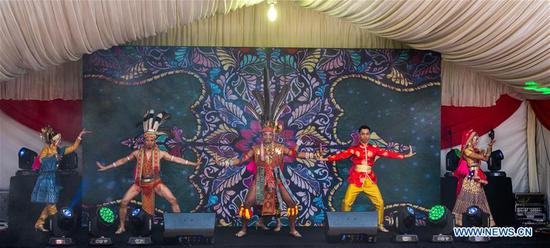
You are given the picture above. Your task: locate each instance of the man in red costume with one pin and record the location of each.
(361, 177)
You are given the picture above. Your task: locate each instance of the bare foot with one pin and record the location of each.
(382, 229)
(120, 230)
(295, 234)
(41, 228)
(261, 226)
(278, 227)
(240, 234)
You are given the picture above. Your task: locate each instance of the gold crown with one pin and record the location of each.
(272, 126)
(47, 134)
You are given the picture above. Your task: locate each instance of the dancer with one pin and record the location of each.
(471, 178)
(361, 176)
(147, 173)
(269, 187)
(46, 189)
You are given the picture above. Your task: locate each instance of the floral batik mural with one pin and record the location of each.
(209, 92)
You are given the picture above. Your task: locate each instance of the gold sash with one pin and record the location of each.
(363, 168)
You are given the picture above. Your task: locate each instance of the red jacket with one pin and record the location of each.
(358, 154)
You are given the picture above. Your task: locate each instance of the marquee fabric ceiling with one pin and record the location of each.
(508, 40)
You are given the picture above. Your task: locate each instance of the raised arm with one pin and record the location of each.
(124, 160)
(175, 159)
(340, 155)
(489, 148)
(76, 143)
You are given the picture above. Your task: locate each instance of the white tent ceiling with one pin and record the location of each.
(507, 40)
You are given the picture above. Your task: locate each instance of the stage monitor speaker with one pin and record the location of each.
(193, 227)
(351, 226)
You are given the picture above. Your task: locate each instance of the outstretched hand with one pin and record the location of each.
(84, 131)
(411, 153)
(198, 163)
(101, 166)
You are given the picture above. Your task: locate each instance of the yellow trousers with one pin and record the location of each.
(372, 192)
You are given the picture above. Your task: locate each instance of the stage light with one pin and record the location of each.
(67, 212)
(26, 158)
(69, 162)
(141, 225)
(106, 215)
(63, 225)
(101, 226)
(272, 11)
(534, 86)
(475, 217)
(436, 213)
(451, 160)
(441, 222)
(494, 162)
(406, 221)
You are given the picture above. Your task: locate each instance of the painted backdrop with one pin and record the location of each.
(205, 89)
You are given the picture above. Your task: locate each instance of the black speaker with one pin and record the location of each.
(501, 200)
(193, 227)
(351, 226)
(22, 213)
(447, 191)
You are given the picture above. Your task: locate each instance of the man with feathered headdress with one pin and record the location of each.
(269, 188)
(147, 172)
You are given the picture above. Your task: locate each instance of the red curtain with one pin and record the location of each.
(542, 111)
(64, 116)
(456, 120)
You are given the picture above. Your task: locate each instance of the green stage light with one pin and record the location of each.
(534, 86)
(436, 213)
(107, 215)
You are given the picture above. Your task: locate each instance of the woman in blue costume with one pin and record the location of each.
(46, 190)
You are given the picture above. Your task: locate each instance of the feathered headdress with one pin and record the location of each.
(269, 111)
(49, 135)
(152, 122)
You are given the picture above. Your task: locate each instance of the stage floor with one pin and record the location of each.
(313, 237)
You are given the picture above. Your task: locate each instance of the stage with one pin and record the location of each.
(312, 237)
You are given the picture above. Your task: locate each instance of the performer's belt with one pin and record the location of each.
(147, 179)
(363, 168)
